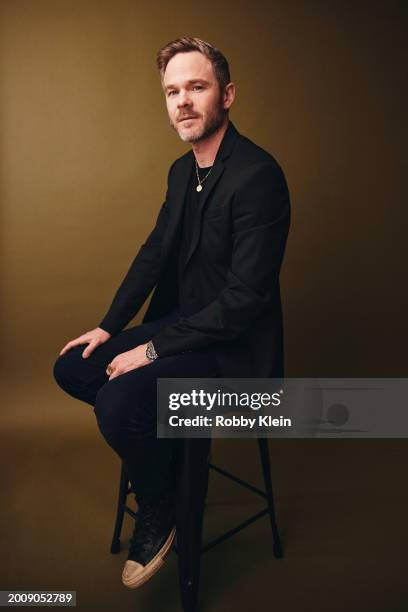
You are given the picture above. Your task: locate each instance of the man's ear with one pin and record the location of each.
(229, 95)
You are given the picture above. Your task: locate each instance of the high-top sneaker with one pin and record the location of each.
(151, 541)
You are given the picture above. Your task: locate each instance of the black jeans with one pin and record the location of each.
(125, 407)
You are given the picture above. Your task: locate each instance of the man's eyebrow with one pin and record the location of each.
(189, 82)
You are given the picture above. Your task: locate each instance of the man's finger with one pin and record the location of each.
(71, 344)
(89, 349)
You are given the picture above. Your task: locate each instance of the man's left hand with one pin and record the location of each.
(130, 360)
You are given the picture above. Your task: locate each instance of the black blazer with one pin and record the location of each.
(231, 274)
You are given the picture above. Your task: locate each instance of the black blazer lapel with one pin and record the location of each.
(177, 197)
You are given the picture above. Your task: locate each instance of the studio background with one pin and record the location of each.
(85, 149)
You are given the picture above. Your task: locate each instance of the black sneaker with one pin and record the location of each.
(151, 541)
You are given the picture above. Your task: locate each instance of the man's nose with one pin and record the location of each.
(184, 99)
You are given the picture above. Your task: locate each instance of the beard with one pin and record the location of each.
(213, 122)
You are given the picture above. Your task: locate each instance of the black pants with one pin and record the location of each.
(125, 407)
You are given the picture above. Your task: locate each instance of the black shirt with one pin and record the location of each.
(190, 219)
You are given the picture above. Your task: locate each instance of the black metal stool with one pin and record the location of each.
(192, 470)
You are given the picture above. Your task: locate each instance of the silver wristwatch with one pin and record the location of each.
(151, 351)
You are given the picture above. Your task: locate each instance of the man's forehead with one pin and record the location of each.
(188, 67)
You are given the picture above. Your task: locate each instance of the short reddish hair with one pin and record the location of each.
(186, 44)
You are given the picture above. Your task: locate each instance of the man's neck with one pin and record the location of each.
(206, 150)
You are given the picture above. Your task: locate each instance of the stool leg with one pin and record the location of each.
(192, 481)
(120, 512)
(266, 469)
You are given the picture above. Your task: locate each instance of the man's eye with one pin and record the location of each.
(171, 92)
(197, 87)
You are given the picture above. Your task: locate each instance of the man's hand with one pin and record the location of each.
(93, 338)
(130, 360)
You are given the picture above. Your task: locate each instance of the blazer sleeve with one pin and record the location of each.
(140, 278)
(260, 225)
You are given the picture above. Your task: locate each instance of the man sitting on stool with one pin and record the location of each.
(214, 258)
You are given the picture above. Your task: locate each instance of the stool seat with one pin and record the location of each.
(192, 465)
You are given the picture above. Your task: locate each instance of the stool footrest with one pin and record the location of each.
(231, 532)
(129, 511)
(235, 530)
(243, 483)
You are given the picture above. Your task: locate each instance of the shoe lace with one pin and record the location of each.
(149, 519)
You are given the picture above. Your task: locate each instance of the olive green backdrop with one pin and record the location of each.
(85, 149)
(86, 145)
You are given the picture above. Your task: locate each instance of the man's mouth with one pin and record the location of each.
(187, 118)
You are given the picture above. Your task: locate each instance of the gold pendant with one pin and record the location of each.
(199, 188)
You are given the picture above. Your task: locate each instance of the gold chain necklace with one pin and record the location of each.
(200, 183)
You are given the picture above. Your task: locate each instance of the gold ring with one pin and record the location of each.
(109, 370)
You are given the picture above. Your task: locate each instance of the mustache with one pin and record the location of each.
(181, 117)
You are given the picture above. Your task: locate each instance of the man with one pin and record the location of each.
(213, 258)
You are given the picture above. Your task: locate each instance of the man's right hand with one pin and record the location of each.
(93, 338)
